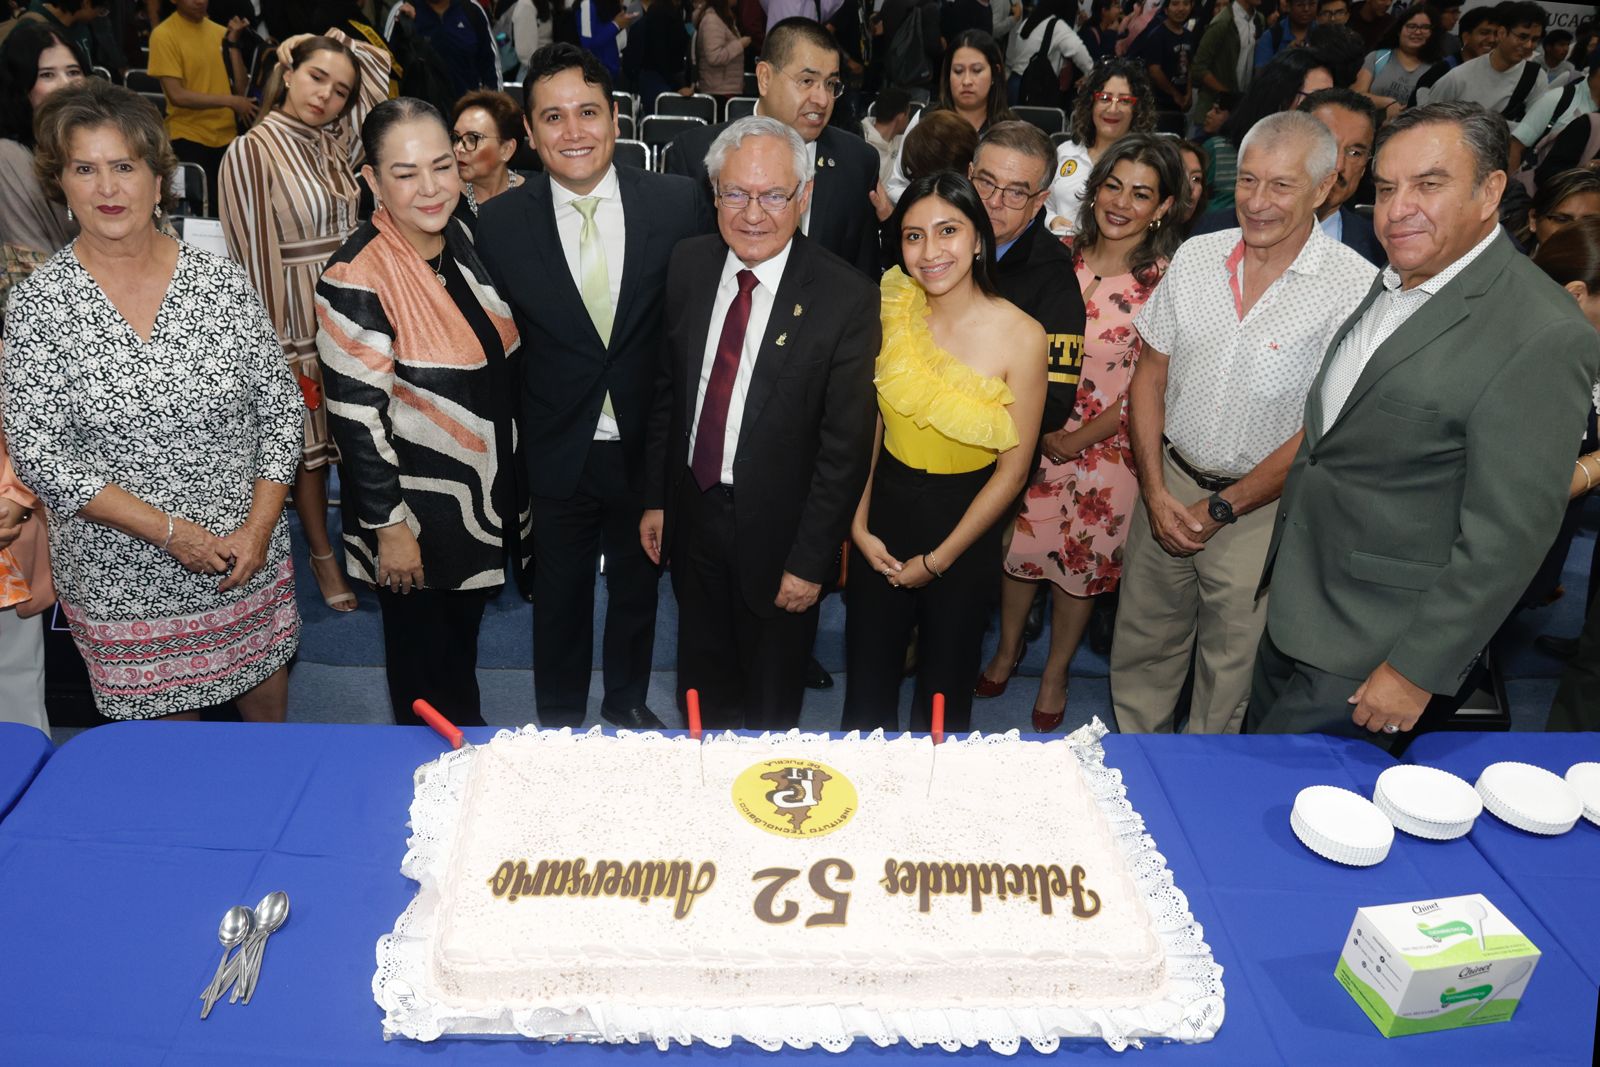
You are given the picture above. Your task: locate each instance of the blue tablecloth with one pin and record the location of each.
(23, 751)
(120, 859)
(1558, 877)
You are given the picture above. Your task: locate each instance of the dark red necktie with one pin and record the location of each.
(706, 464)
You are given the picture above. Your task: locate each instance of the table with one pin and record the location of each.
(1558, 877)
(23, 750)
(120, 859)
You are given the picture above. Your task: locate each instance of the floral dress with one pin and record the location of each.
(188, 422)
(1075, 517)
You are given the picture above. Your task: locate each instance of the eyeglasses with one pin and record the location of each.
(471, 140)
(1418, 27)
(1122, 98)
(1011, 196)
(808, 82)
(772, 201)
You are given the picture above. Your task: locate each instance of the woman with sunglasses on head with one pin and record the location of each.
(1117, 99)
(972, 85)
(961, 387)
(485, 131)
(1075, 515)
(287, 200)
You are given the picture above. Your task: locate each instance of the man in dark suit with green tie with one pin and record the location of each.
(1439, 437)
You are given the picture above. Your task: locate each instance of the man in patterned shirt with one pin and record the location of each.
(1233, 336)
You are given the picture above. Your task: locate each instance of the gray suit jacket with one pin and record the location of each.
(1408, 530)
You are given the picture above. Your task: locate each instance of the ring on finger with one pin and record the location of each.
(1390, 728)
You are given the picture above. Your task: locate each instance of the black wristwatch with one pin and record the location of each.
(1221, 511)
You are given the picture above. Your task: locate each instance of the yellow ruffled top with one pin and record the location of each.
(939, 415)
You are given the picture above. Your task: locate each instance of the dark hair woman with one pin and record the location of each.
(1115, 100)
(1571, 257)
(288, 198)
(1568, 197)
(719, 49)
(961, 385)
(1293, 75)
(1194, 169)
(972, 86)
(34, 62)
(1390, 73)
(1075, 516)
(416, 350)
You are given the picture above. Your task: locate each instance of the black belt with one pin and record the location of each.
(1211, 483)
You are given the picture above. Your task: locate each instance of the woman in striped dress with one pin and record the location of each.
(289, 198)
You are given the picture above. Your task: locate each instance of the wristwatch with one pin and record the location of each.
(1220, 510)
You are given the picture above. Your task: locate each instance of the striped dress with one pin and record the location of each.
(420, 388)
(289, 198)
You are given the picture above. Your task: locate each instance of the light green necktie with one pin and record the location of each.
(594, 283)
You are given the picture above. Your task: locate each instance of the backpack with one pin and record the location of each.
(1517, 106)
(1527, 178)
(907, 62)
(1041, 83)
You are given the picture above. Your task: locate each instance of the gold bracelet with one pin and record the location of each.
(926, 556)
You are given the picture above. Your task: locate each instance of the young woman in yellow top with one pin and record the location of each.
(961, 384)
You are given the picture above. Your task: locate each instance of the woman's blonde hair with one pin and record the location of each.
(91, 104)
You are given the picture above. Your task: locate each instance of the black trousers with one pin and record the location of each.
(912, 511)
(210, 160)
(430, 651)
(568, 539)
(749, 667)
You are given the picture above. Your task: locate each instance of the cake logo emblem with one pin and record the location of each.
(794, 797)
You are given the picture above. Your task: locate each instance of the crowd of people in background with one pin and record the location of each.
(1252, 341)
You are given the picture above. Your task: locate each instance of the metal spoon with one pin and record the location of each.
(273, 912)
(237, 925)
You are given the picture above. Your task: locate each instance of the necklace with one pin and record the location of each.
(437, 263)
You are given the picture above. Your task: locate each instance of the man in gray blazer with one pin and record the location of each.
(1439, 437)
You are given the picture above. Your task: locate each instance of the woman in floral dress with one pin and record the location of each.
(1075, 517)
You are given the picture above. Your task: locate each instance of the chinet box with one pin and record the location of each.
(1435, 965)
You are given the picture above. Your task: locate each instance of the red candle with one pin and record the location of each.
(443, 726)
(693, 699)
(938, 718)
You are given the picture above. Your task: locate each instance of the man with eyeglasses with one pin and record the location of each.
(799, 81)
(1506, 79)
(762, 437)
(1288, 32)
(580, 253)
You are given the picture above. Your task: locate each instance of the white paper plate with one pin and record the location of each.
(1585, 779)
(1341, 826)
(1529, 798)
(1427, 802)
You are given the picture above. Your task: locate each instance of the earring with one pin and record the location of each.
(69, 215)
(155, 212)
(1156, 225)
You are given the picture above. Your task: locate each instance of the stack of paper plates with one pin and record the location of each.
(1585, 778)
(1529, 798)
(1341, 826)
(1427, 802)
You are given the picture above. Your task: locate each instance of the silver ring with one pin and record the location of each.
(1390, 728)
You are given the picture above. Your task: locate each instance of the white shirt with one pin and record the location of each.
(1542, 111)
(1244, 22)
(768, 274)
(1065, 202)
(1237, 384)
(608, 217)
(1065, 44)
(1387, 314)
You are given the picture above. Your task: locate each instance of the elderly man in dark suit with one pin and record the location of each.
(762, 435)
(798, 79)
(1437, 457)
(1353, 120)
(580, 252)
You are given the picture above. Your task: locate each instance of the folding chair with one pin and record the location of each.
(698, 106)
(1048, 119)
(658, 131)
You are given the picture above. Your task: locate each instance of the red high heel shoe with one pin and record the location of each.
(1048, 722)
(985, 689)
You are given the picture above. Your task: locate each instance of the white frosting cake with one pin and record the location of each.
(788, 890)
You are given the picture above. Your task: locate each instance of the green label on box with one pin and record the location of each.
(1444, 930)
(1452, 995)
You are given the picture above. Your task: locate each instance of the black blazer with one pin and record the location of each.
(566, 371)
(1356, 232)
(1037, 275)
(842, 219)
(805, 441)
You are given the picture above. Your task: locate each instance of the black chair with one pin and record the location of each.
(658, 131)
(138, 79)
(159, 99)
(194, 178)
(739, 107)
(515, 91)
(699, 106)
(626, 128)
(626, 103)
(631, 153)
(1059, 139)
(101, 72)
(1048, 119)
(751, 88)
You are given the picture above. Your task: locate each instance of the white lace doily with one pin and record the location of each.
(1189, 1007)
